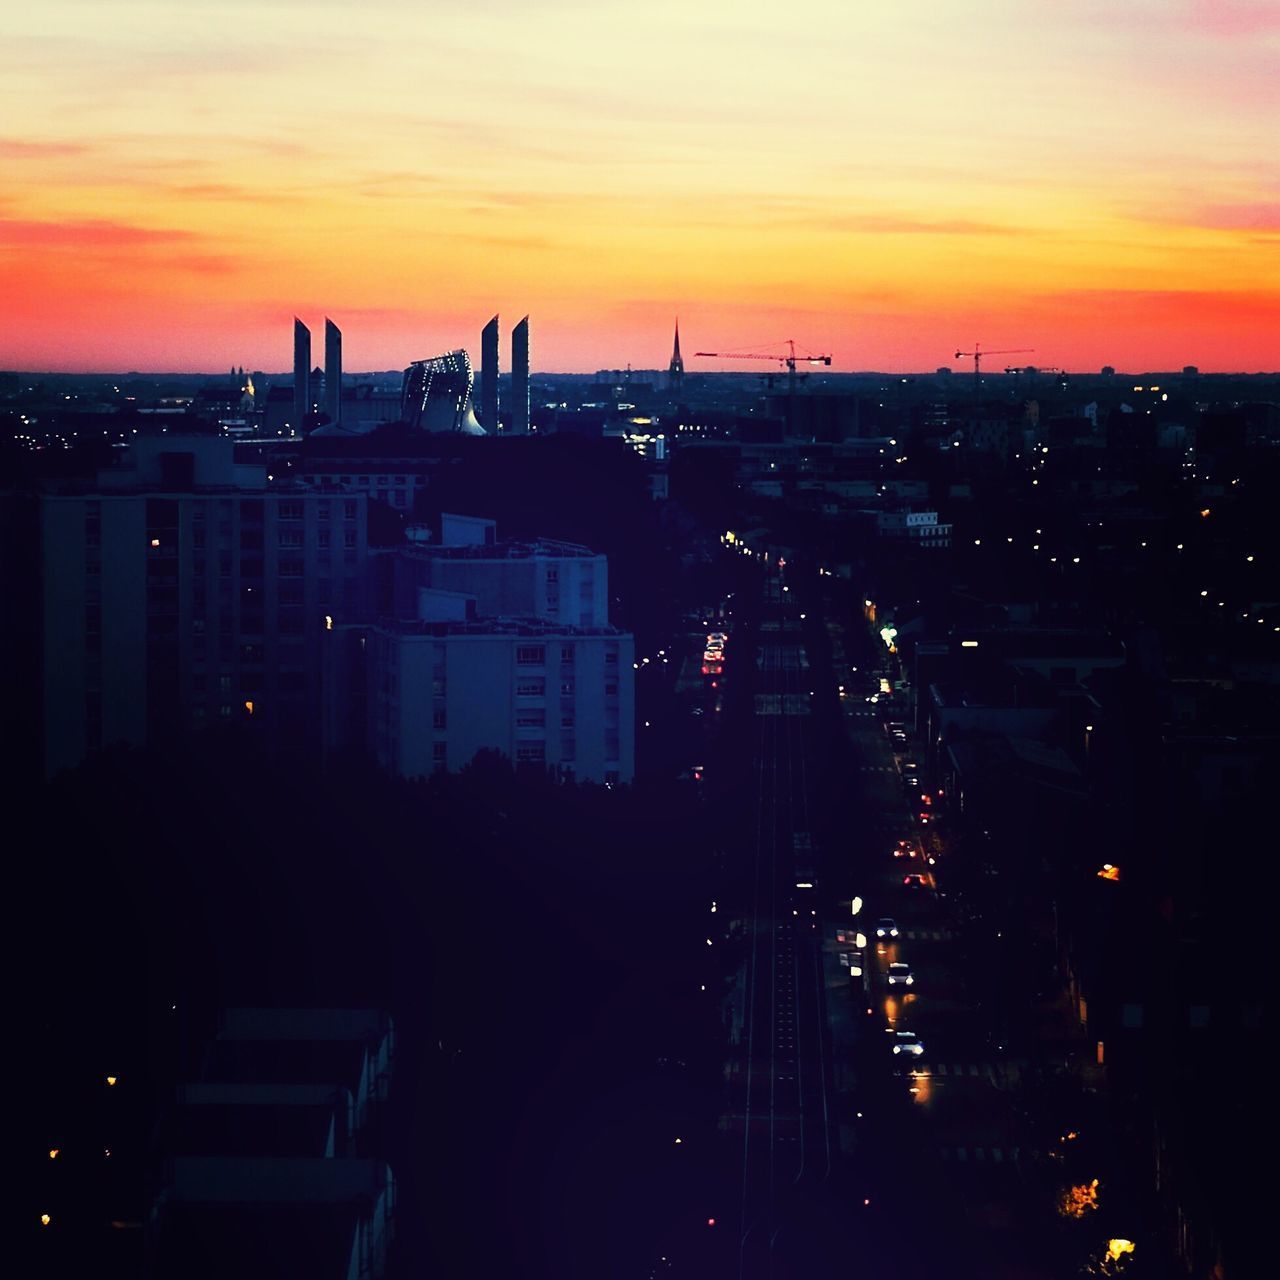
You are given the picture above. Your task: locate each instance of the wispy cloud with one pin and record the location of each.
(92, 233)
(18, 149)
(1253, 216)
(904, 225)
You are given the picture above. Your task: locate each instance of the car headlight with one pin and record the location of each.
(897, 1048)
(909, 981)
(893, 933)
(917, 1049)
(879, 933)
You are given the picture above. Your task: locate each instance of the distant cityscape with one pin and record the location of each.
(948, 701)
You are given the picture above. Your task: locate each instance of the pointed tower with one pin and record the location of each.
(520, 377)
(675, 370)
(332, 371)
(301, 371)
(489, 377)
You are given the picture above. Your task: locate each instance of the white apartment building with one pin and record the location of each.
(504, 646)
(542, 693)
(920, 527)
(557, 581)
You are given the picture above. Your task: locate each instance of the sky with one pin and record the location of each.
(887, 182)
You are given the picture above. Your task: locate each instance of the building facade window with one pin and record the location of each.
(530, 655)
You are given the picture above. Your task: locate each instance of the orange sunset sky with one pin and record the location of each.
(887, 181)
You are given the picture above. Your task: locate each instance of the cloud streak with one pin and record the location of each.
(18, 149)
(94, 233)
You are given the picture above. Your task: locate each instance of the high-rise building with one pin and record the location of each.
(675, 370)
(333, 371)
(489, 376)
(301, 374)
(184, 590)
(520, 376)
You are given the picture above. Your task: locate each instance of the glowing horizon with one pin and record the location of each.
(1093, 181)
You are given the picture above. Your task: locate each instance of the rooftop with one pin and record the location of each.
(504, 551)
(531, 627)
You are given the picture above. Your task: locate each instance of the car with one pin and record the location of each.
(900, 975)
(905, 849)
(915, 882)
(886, 927)
(907, 1044)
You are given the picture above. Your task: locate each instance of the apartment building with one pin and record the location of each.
(185, 589)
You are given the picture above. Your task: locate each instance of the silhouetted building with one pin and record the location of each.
(675, 370)
(301, 374)
(520, 376)
(489, 376)
(182, 592)
(276, 1152)
(333, 372)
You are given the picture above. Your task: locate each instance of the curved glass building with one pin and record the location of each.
(436, 395)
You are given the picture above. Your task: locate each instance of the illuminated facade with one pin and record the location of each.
(436, 395)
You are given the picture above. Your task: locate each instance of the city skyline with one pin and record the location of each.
(1091, 183)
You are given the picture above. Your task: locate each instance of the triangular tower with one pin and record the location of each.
(675, 370)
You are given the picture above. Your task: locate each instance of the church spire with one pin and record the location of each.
(675, 370)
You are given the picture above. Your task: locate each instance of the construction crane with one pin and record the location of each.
(977, 353)
(789, 361)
